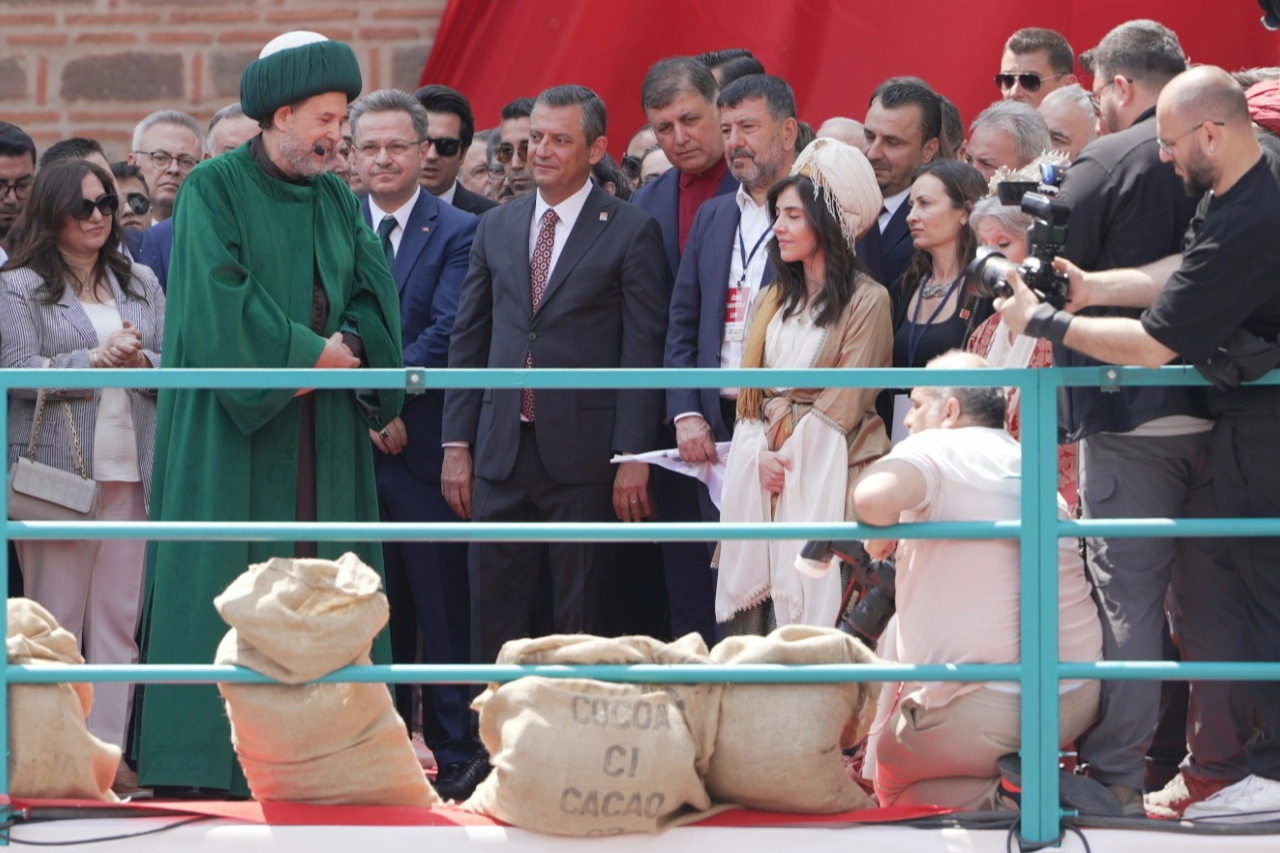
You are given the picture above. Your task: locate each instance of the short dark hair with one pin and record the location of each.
(14, 142)
(441, 99)
(607, 171)
(1144, 50)
(952, 129)
(670, 78)
(777, 94)
(519, 108)
(75, 148)
(123, 170)
(740, 67)
(716, 58)
(595, 118)
(804, 135)
(1062, 58)
(898, 92)
(984, 407)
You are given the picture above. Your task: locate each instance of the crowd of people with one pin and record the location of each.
(309, 225)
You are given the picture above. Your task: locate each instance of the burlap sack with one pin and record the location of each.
(778, 747)
(52, 755)
(328, 744)
(579, 757)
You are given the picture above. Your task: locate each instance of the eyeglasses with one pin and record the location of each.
(138, 203)
(630, 166)
(1028, 80)
(445, 147)
(106, 204)
(504, 152)
(496, 171)
(1095, 98)
(1166, 146)
(396, 148)
(162, 159)
(21, 187)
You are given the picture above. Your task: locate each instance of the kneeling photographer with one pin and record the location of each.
(937, 743)
(1220, 310)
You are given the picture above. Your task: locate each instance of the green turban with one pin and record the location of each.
(294, 67)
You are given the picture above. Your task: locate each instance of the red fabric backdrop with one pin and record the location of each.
(832, 52)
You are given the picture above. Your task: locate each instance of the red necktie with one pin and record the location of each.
(539, 266)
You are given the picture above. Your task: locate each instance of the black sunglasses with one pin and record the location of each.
(630, 166)
(138, 203)
(504, 152)
(106, 204)
(1028, 80)
(445, 147)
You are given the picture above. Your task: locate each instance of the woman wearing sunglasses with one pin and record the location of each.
(72, 300)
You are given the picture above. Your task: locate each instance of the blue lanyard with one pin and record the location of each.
(742, 251)
(913, 340)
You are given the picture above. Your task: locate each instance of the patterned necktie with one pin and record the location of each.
(385, 227)
(539, 267)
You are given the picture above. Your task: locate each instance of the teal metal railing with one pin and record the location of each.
(1037, 531)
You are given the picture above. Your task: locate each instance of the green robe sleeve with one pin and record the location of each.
(223, 314)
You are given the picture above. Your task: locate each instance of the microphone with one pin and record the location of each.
(319, 149)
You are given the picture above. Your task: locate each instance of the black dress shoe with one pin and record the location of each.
(458, 780)
(1085, 795)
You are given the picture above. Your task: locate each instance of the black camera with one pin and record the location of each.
(871, 586)
(1046, 237)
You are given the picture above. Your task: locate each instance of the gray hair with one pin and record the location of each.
(1076, 96)
(389, 101)
(984, 407)
(595, 119)
(176, 117)
(1144, 50)
(1022, 122)
(671, 78)
(1009, 217)
(229, 111)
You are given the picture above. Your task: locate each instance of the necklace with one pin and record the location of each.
(929, 290)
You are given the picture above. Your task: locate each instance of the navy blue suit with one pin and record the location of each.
(157, 247)
(889, 258)
(690, 582)
(428, 578)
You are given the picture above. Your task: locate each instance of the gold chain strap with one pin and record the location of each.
(38, 420)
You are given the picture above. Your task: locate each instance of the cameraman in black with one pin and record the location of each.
(1221, 303)
(1145, 451)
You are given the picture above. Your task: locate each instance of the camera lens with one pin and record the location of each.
(986, 272)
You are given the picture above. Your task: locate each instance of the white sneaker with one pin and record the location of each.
(1251, 800)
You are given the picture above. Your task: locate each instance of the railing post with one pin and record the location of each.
(1039, 614)
(5, 810)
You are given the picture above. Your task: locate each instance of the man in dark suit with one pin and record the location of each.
(726, 262)
(679, 100)
(568, 276)
(427, 244)
(903, 127)
(452, 128)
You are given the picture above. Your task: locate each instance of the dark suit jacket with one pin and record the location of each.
(133, 241)
(430, 266)
(156, 249)
(896, 250)
(605, 306)
(465, 200)
(661, 200)
(696, 321)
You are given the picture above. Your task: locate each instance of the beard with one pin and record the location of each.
(1197, 176)
(301, 158)
(761, 170)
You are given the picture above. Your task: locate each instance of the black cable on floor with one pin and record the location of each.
(7, 835)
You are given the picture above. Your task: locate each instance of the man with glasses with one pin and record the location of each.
(1035, 62)
(1145, 452)
(512, 150)
(427, 244)
(17, 175)
(474, 174)
(167, 145)
(451, 128)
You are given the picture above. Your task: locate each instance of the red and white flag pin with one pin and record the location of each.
(604, 216)
(426, 228)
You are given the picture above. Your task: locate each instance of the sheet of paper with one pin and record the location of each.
(710, 473)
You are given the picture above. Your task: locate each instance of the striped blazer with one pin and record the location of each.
(32, 332)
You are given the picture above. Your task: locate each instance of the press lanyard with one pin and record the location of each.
(913, 340)
(742, 252)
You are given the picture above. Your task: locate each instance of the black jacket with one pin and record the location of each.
(464, 199)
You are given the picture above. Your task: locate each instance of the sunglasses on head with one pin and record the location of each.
(504, 152)
(630, 166)
(1029, 81)
(138, 203)
(445, 147)
(106, 204)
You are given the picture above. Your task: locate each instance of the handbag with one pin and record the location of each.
(40, 492)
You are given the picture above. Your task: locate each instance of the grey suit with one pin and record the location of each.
(32, 332)
(605, 305)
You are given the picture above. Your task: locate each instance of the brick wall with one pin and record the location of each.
(96, 67)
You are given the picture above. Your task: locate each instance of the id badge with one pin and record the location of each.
(735, 315)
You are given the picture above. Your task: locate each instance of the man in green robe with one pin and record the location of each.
(272, 266)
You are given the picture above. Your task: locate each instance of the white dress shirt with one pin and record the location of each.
(754, 228)
(401, 214)
(447, 195)
(891, 205)
(568, 211)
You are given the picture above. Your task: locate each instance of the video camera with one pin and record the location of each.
(872, 586)
(1046, 238)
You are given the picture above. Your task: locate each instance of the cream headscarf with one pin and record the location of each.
(853, 197)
